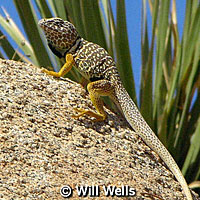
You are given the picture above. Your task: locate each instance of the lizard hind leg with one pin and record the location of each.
(97, 89)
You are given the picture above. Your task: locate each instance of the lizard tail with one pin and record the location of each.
(137, 122)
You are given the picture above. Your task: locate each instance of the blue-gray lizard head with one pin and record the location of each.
(61, 35)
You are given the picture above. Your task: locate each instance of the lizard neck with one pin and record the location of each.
(77, 45)
(61, 53)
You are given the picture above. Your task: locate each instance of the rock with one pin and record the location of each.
(42, 148)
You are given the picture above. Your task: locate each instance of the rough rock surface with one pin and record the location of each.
(43, 148)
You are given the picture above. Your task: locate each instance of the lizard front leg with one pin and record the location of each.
(97, 89)
(65, 68)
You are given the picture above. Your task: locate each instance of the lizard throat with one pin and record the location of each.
(61, 52)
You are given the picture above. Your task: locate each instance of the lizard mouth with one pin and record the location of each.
(41, 22)
(46, 25)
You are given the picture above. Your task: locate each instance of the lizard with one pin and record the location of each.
(98, 67)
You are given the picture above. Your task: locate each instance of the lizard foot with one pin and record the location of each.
(52, 73)
(90, 113)
(45, 70)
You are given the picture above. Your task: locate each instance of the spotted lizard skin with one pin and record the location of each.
(94, 63)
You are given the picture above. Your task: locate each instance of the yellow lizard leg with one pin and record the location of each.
(65, 68)
(97, 89)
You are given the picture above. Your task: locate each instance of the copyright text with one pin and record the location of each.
(95, 191)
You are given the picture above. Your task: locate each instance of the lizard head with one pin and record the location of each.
(61, 35)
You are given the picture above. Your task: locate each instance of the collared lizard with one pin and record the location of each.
(97, 66)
